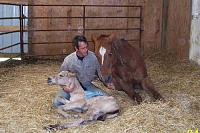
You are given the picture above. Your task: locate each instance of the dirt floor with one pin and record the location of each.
(26, 99)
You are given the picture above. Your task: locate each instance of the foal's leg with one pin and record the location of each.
(66, 125)
(77, 106)
(65, 114)
(92, 115)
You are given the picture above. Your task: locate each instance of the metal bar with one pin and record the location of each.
(48, 42)
(84, 17)
(9, 46)
(117, 29)
(21, 32)
(45, 55)
(90, 5)
(9, 32)
(75, 17)
(35, 43)
(9, 18)
(85, 29)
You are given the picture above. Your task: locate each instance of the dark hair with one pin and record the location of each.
(77, 39)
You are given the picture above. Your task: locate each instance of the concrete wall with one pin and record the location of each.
(195, 32)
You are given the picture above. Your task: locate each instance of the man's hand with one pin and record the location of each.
(69, 88)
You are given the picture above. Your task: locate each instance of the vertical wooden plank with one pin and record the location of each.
(178, 31)
(152, 24)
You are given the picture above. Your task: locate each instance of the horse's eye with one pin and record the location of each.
(110, 54)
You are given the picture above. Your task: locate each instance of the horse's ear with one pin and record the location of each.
(93, 38)
(112, 36)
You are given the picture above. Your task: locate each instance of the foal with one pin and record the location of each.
(96, 108)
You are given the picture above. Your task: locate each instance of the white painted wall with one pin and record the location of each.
(195, 32)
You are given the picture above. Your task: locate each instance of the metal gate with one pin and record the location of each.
(11, 30)
(83, 29)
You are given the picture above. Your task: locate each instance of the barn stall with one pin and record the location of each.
(26, 98)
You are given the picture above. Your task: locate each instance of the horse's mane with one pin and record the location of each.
(102, 36)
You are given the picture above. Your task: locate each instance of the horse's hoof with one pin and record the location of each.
(138, 99)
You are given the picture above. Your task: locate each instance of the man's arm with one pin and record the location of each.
(65, 65)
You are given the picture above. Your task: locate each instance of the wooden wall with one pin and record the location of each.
(66, 24)
(177, 28)
(152, 23)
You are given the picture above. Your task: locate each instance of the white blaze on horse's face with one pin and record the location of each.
(102, 52)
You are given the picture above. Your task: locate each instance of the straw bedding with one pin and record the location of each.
(25, 99)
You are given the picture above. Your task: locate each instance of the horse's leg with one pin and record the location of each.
(66, 125)
(128, 88)
(77, 106)
(65, 114)
(115, 82)
(62, 100)
(149, 87)
(110, 116)
(93, 115)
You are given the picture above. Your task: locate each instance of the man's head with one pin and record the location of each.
(80, 45)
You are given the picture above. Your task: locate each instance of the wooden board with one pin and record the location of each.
(178, 27)
(15, 1)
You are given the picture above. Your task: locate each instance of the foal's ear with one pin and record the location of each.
(67, 74)
(71, 74)
(94, 38)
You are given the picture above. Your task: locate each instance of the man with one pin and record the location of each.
(85, 64)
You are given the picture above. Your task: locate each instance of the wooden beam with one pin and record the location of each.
(9, 28)
(15, 1)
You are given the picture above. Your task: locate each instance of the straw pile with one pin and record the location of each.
(26, 105)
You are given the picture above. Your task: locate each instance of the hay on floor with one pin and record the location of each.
(26, 105)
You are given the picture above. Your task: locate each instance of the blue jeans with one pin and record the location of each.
(88, 86)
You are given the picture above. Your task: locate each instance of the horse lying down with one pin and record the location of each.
(96, 108)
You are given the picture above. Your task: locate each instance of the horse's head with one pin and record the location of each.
(64, 79)
(105, 54)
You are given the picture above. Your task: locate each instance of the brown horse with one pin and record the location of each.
(122, 65)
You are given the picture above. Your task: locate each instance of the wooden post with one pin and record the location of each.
(164, 23)
(21, 17)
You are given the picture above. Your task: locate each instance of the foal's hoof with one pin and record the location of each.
(51, 128)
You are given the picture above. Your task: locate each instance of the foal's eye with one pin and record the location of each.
(61, 75)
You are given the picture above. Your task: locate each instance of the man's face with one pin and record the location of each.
(83, 49)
